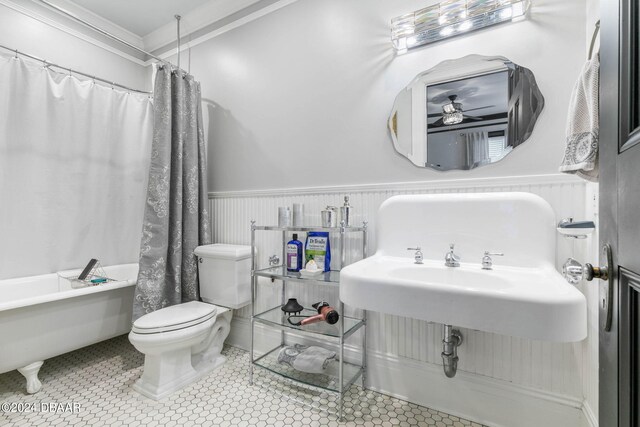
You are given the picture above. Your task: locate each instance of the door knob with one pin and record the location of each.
(574, 272)
(591, 272)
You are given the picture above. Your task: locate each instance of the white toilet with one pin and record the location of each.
(182, 343)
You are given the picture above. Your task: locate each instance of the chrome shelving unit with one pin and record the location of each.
(340, 375)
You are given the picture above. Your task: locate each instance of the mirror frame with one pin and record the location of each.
(413, 146)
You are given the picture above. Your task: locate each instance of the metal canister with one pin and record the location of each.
(298, 214)
(345, 212)
(284, 216)
(330, 217)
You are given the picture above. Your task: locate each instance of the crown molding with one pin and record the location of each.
(195, 20)
(214, 30)
(54, 23)
(96, 20)
(201, 24)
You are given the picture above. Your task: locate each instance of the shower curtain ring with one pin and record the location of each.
(16, 57)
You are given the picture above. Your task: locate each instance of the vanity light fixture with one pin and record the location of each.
(451, 18)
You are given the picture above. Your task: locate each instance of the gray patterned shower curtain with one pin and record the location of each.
(176, 218)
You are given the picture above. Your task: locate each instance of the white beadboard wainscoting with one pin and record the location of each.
(501, 381)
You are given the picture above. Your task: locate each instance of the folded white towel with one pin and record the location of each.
(581, 154)
(311, 359)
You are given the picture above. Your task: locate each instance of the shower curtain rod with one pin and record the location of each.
(103, 32)
(70, 70)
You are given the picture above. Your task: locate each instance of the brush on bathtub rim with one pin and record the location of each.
(88, 269)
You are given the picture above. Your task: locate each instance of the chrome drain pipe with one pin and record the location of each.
(451, 339)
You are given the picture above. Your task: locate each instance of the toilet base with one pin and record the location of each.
(166, 372)
(159, 392)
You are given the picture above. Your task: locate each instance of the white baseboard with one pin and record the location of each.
(486, 400)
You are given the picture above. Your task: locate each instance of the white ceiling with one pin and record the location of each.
(140, 17)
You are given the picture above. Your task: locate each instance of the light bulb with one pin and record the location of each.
(466, 25)
(452, 118)
(506, 13)
(447, 31)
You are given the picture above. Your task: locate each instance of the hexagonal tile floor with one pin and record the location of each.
(92, 386)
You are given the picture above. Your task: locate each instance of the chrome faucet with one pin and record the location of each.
(451, 259)
(418, 255)
(487, 262)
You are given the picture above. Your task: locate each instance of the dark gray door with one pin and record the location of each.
(620, 211)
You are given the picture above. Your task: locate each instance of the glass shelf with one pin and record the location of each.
(327, 381)
(317, 228)
(276, 318)
(280, 273)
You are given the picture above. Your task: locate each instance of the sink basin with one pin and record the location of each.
(465, 278)
(523, 295)
(525, 302)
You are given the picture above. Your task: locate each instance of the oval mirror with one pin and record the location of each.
(465, 113)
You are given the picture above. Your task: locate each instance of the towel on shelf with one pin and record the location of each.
(310, 359)
(581, 153)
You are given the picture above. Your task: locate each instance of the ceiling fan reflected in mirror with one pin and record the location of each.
(452, 113)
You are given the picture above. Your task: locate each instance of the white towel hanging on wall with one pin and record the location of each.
(581, 153)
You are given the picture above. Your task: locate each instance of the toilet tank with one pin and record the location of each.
(225, 274)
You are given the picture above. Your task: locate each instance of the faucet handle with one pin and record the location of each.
(418, 256)
(487, 262)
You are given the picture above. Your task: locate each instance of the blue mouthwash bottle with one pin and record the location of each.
(294, 254)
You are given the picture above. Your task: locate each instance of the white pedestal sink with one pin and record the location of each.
(523, 295)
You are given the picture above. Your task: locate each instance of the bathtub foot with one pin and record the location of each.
(30, 372)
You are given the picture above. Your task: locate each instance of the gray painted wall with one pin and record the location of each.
(301, 96)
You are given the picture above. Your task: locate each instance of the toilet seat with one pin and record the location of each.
(176, 317)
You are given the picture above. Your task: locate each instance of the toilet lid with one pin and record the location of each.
(178, 316)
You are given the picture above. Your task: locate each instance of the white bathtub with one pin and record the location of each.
(43, 317)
